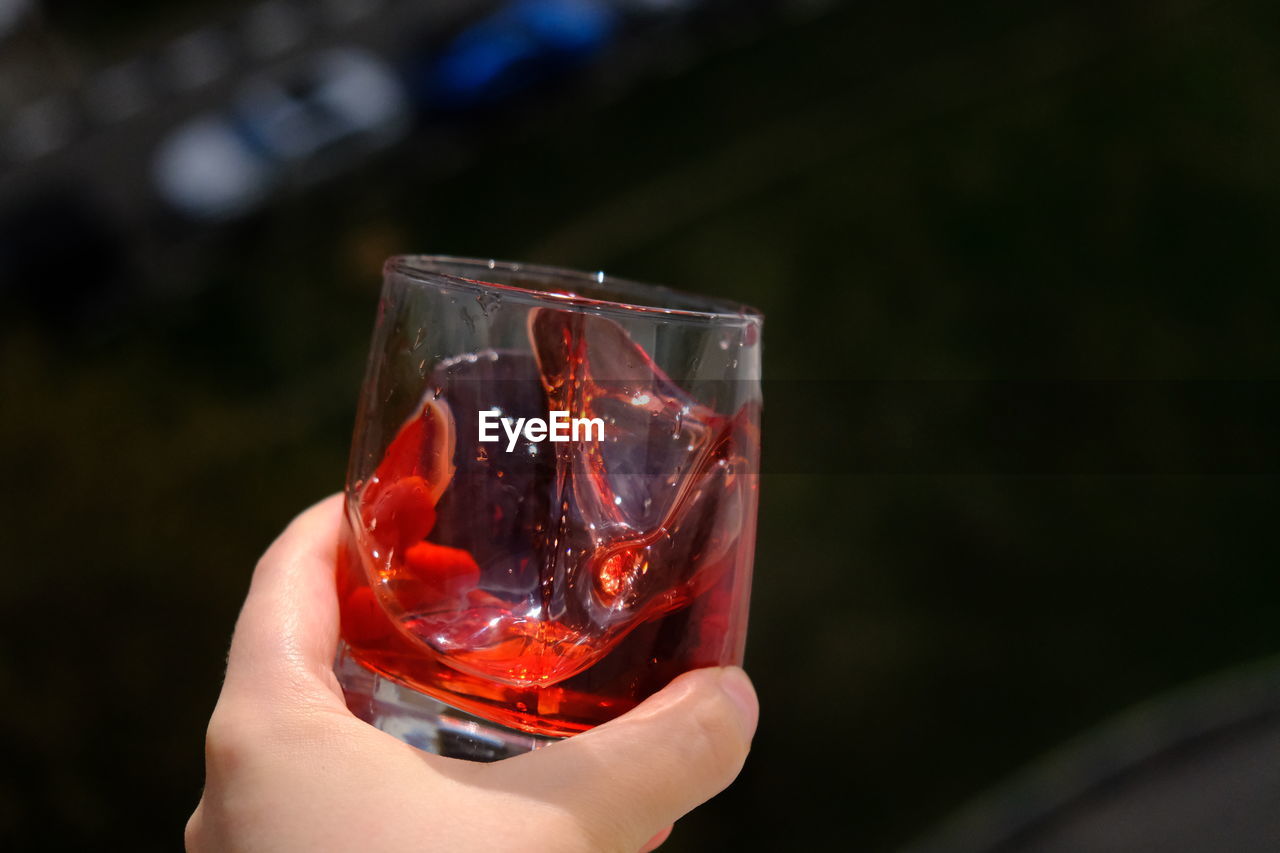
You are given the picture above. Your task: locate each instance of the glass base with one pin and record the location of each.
(422, 721)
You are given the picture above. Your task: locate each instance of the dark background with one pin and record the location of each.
(1019, 267)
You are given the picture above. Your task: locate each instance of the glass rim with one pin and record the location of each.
(630, 297)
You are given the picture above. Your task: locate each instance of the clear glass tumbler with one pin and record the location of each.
(551, 501)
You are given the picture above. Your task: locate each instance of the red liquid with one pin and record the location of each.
(554, 587)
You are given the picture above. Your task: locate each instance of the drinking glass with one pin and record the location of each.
(550, 504)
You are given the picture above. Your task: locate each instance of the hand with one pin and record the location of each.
(288, 768)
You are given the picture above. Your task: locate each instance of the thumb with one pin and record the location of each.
(287, 632)
(626, 780)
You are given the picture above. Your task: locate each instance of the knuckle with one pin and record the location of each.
(227, 742)
(191, 834)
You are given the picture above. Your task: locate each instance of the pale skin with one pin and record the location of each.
(288, 768)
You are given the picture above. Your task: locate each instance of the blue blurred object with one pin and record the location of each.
(341, 95)
(521, 45)
(342, 104)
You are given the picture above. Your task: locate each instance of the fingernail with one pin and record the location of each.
(735, 683)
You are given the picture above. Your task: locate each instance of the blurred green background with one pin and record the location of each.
(915, 192)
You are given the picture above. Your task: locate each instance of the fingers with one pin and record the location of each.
(287, 633)
(633, 776)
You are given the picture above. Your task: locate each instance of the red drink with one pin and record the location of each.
(552, 586)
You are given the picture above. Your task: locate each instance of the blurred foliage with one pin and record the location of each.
(922, 191)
